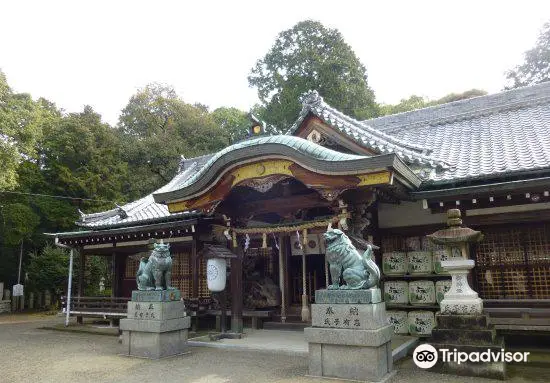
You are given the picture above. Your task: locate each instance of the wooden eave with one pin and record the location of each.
(126, 234)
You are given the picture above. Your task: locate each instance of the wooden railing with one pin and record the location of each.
(104, 307)
(519, 314)
(197, 306)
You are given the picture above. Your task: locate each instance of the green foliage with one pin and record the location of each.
(21, 120)
(405, 105)
(536, 66)
(96, 268)
(459, 96)
(18, 223)
(157, 127)
(418, 102)
(48, 270)
(81, 158)
(233, 121)
(311, 57)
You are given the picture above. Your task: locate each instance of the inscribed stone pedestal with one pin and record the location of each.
(349, 316)
(156, 326)
(349, 340)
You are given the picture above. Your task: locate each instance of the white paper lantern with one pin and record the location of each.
(216, 274)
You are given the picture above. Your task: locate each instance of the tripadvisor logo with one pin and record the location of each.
(426, 356)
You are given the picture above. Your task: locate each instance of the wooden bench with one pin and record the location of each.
(197, 306)
(97, 307)
(257, 316)
(519, 314)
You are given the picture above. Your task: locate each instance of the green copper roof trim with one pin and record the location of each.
(299, 144)
(301, 151)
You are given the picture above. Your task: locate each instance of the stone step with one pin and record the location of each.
(462, 336)
(467, 322)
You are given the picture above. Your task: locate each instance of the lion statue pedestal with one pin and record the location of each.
(349, 337)
(156, 326)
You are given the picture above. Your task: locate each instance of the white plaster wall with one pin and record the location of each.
(407, 214)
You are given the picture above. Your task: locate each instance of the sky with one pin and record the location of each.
(100, 53)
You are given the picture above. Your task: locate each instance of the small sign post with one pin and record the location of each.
(17, 290)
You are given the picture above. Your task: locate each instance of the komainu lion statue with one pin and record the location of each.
(155, 273)
(358, 271)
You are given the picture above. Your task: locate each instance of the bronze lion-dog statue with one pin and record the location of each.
(358, 271)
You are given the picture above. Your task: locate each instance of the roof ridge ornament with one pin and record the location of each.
(181, 164)
(311, 98)
(121, 212)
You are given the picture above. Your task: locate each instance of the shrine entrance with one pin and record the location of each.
(270, 199)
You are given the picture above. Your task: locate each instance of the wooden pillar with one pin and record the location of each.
(237, 291)
(282, 276)
(114, 279)
(81, 279)
(195, 265)
(326, 273)
(305, 303)
(195, 268)
(288, 249)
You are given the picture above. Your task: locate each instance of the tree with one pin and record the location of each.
(536, 67)
(157, 127)
(18, 222)
(419, 102)
(48, 269)
(405, 105)
(20, 128)
(451, 97)
(80, 158)
(309, 56)
(233, 121)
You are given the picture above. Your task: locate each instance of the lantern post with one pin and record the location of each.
(216, 277)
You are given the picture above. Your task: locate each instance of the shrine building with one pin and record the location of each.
(386, 181)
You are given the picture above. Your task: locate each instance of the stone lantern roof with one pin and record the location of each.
(455, 233)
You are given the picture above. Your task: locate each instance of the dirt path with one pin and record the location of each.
(30, 354)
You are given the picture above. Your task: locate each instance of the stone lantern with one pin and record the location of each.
(461, 325)
(460, 299)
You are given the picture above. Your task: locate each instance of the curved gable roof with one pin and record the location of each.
(306, 153)
(365, 135)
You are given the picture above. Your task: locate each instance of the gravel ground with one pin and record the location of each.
(31, 354)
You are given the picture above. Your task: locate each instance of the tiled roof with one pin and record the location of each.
(487, 136)
(366, 136)
(144, 210)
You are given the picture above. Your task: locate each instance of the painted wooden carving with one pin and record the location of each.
(261, 176)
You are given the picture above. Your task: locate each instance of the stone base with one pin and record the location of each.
(155, 329)
(372, 295)
(155, 325)
(153, 345)
(466, 306)
(467, 333)
(361, 355)
(5, 306)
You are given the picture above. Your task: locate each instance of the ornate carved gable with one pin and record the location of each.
(315, 130)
